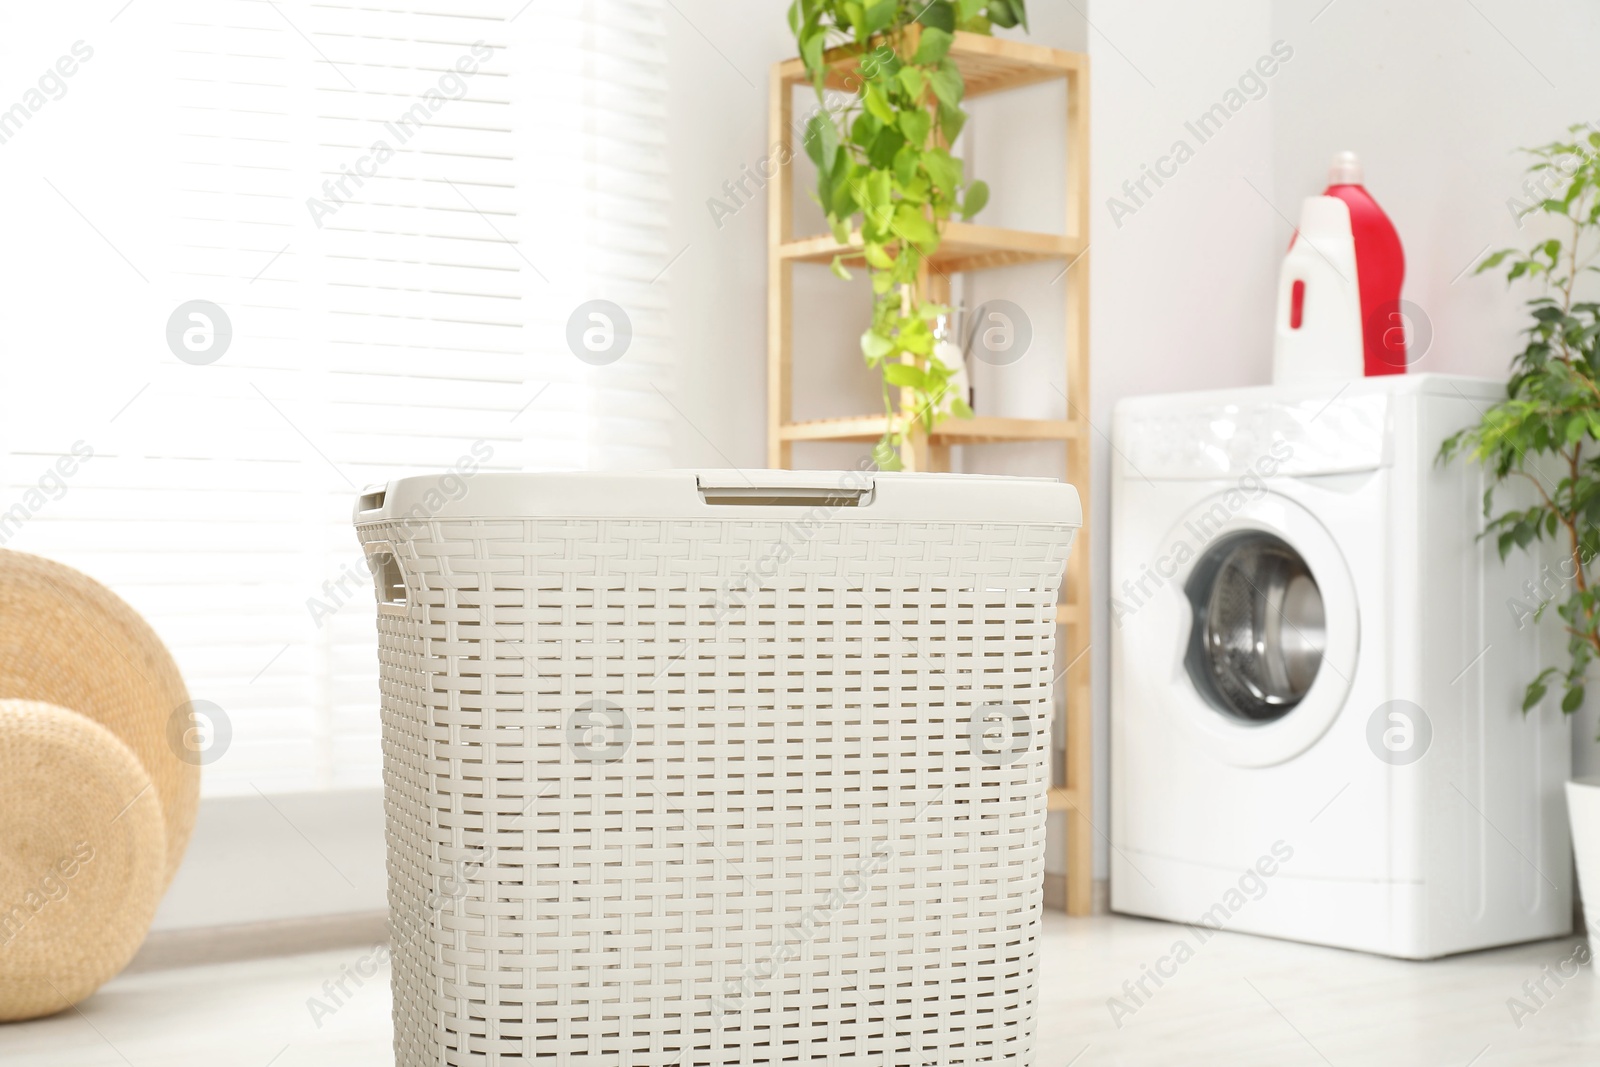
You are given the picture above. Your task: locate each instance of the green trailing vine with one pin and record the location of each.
(1544, 432)
(884, 167)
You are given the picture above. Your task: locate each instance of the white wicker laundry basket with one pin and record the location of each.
(703, 769)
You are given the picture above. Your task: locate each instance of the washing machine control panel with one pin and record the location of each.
(1294, 437)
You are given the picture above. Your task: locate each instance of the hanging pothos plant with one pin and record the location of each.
(1544, 432)
(884, 167)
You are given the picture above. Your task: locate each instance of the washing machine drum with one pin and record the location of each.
(1259, 630)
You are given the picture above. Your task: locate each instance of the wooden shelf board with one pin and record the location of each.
(964, 247)
(984, 429)
(988, 429)
(856, 428)
(987, 64)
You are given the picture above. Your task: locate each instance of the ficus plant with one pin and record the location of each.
(884, 168)
(1544, 432)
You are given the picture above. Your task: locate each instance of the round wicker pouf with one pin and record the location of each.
(83, 849)
(67, 640)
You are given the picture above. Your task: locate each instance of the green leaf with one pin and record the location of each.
(843, 207)
(916, 337)
(864, 130)
(913, 81)
(977, 197)
(857, 18)
(874, 194)
(919, 193)
(1573, 700)
(1494, 260)
(1001, 13)
(1577, 427)
(875, 346)
(883, 151)
(933, 47)
(877, 257)
(811, 49)
(905, 375)
(877, 190)
(943, 169)
(951, 121)
(960, 408)
(875, 102)
(839, 269)
(905, 165)
(910, 224)
(822, 139)
(1578, 182)
(939, 15)
(947, 84)
(916, 125)
(840, 221)
(881, 64)
(886, 454)
(879, 15)
(1534, 693)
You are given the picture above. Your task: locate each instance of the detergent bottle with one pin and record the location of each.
(1339, 314)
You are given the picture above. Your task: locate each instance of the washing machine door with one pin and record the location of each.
(1259, 626)
(1264, 627)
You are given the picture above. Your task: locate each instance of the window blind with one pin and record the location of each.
(391, 215)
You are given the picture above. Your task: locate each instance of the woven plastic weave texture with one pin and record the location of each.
(706, 793)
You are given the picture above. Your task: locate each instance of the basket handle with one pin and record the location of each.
(388, 577)
(371, 499)
(835, 489)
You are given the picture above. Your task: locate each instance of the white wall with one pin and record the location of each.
(719, 55)
(294, 856)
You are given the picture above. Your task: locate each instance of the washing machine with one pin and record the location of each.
(1318, 667)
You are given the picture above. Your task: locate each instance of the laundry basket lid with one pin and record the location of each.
(864, 496)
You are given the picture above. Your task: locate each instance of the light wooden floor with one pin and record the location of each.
(1240, 1001)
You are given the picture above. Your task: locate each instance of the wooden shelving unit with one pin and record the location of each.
(989, 65)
